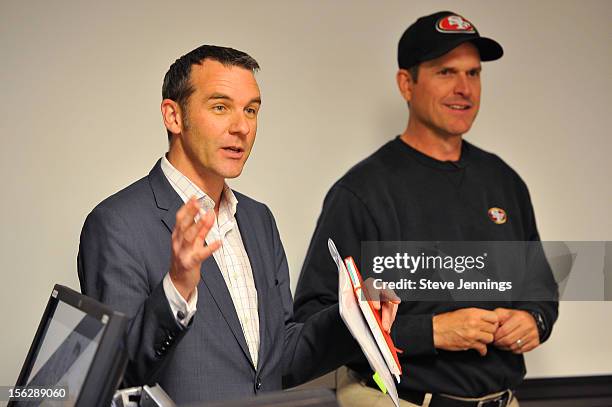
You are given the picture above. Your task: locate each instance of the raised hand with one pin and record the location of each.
(188, 248)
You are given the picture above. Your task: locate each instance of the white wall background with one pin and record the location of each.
(80, 85)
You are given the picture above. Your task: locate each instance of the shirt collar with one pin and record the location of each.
(186, 189)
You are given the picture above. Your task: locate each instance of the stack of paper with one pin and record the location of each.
(362, 322)
(372, 317)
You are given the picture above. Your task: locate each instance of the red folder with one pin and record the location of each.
(359, 285)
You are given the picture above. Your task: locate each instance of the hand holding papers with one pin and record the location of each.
(364, 293)
(365, 324)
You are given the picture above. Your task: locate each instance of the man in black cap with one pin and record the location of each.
(428, 184)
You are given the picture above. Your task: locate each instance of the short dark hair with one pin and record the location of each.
(177, 85)
(414, 72)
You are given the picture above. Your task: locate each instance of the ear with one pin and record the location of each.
(172, 116)
(405, 84)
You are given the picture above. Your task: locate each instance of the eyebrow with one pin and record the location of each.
(455, 69)
(221, 96)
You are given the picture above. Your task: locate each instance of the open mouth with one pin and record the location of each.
(459, 107)
(233, 149)
(233, 152)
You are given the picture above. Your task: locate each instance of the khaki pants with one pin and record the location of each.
(352, 392)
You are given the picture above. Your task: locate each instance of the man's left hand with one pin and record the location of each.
(517, 331)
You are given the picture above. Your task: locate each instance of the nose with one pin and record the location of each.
(462, 86)
(240, 124)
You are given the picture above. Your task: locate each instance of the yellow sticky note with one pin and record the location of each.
(379, 382)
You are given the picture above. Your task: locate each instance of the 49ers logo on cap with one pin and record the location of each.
(455, 25)
(497, 215)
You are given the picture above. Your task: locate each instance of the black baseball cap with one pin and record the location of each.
(434, 35)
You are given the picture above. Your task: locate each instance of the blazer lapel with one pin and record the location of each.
(169, 202)
(215, 283)
(166, 198)
(251, 246)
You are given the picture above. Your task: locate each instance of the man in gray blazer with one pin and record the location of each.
(200, 269)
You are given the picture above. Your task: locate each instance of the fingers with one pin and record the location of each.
(481, 320)
(527, 347)
(389, 311)
(372, 293)
(185, 220)
(384, 300)
(483, 337)
(503, 314)
(394, 313)
(518, 319)
(489, 316)
(386, 318)
(507, 329)
(377, 296)
(512, 335)
(186, 214)
(390, 296)
(524, 344)
(203, 252)
(477, 340)
(199, 229)
(473, 328)
(206, 222)
(481, 341)
(509, 341)
(392, 302)
(519, 333)
(488, 327)
(521, 340)
(481, 348)
(188, 248)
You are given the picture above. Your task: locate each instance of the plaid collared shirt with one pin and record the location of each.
(231, 258)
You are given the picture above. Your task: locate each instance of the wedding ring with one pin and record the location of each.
(519, 343)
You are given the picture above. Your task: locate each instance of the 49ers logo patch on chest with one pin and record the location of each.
(497, 215)
(455, 24)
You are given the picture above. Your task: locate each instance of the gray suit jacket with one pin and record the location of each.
(124, 254)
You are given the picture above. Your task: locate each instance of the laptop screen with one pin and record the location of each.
(65, 351)
(78, 354)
